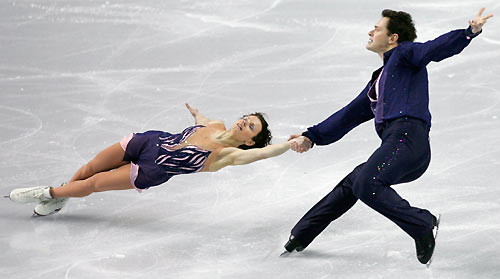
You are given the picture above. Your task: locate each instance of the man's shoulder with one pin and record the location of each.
(403, 49)
(405, 45)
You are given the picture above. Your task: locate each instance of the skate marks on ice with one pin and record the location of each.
(227, 231)
(18, 124)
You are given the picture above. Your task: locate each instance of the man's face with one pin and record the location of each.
(379, 40)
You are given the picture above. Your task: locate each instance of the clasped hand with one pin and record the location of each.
(300, 144)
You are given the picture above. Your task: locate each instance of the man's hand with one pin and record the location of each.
(478, 22)
(300, 144)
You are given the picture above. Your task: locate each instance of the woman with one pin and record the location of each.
(143, 160)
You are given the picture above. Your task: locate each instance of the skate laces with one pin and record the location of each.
(38, 193)
(55, 201)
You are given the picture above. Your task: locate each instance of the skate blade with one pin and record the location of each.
(285, 254)
(437, 225)
(428, 264)
(36, 215)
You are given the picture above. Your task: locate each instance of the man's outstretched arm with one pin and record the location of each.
(444, 46)
(336, 125)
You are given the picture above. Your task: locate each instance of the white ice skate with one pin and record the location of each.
(30, 195)
(50, 207)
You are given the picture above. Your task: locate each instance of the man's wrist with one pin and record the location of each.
(469, 32)
(306, 134)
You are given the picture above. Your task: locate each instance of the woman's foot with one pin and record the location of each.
(51, 206)
(30, 195)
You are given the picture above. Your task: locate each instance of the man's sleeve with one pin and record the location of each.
(444, 46)
(340, 123)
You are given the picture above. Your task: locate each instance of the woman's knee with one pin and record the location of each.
(96, 184)
(89, 169)
(83, 188)
(88, 186)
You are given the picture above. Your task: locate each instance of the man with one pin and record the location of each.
(397, 97)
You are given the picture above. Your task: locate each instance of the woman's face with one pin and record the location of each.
(246, 128)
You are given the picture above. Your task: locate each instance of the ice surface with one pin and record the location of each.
(76, 76)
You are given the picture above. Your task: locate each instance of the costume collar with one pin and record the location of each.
(388, 54)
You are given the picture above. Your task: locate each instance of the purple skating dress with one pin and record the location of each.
(155, 156)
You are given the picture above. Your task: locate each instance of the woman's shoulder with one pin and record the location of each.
(220, 157)
(221, 152)
(218, 124)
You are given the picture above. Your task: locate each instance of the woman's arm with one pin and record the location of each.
(231, 156)
(243, 157)
(200, 119)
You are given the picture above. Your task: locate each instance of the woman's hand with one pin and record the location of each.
(193, 111)
(199, 119)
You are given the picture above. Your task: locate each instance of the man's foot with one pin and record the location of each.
(293, 244)
(425, 244)
(29, 195)
(49, 207)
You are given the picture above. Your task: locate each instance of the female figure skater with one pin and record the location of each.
(143, 160)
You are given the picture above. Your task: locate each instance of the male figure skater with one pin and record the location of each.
(397, 97)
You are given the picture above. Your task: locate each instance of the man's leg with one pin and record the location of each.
(403, 156)
(331, 207)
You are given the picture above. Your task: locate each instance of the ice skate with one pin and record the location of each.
(425, 245)
(30, 195)
(291, 245)
(50, 207)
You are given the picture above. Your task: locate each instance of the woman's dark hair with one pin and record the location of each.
(402, 24)
(263, 138)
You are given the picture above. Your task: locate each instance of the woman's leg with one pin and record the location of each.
(109, 158)
(117, 179)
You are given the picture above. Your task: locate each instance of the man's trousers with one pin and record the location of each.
(403, 156)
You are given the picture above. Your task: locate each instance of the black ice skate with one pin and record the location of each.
(425, 244)
(291, 245)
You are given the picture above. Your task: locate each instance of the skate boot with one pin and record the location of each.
(29, 195)
(293, 244)
(425, 244)
(50, 207)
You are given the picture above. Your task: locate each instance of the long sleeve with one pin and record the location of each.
(444, 46)
(341, 122)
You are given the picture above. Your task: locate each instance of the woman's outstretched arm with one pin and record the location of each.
(200, 119)
(234, 156)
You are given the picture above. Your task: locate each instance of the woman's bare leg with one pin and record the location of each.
(108, 159)
(117, 179)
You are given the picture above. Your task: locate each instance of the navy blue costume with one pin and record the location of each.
(402, 121)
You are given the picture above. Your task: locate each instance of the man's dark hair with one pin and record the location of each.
(402, 24)
(263, 138)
